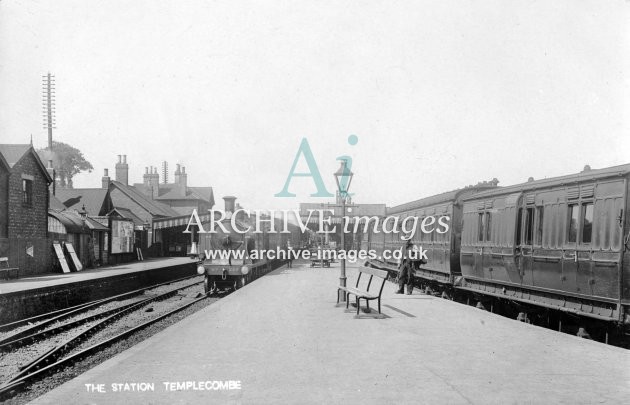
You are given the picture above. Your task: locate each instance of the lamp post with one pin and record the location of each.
(343, 177)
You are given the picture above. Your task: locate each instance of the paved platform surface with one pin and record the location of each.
(286, 341)
(32, 283)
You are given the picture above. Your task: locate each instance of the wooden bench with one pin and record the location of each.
(6, 271)
(366, 294)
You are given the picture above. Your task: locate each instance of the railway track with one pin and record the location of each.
(52, 348)
(66, 343)
(24, 327)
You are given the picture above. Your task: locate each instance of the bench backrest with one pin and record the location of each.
(372, 272)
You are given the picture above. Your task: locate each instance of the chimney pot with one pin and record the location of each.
(124, 159)
(122, 171)
(183, 169)
(146, 170)
(229, 203)
(105, 179)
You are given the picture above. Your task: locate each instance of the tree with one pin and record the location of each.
(67, 161)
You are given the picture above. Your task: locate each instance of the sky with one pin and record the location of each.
(440, 94)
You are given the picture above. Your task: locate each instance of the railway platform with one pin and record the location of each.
(283, 339)
(28, 296)
(50, 280)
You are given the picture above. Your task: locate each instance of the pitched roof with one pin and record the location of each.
(94, 199)
(358, 210)
(55, 203)
(71, 220)
(127, 213)
(4, 162)
(173, 191)
(94, 225)
(155, 208)
(12, 153)
(205, 193)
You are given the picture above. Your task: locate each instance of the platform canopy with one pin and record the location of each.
(72, 222)
(334, 211)
(172, 222)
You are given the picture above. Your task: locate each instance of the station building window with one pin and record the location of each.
(27, 192)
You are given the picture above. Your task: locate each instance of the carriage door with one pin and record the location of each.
(570, 255)
(583, 254)
(527, 241)
(518, 250)
(479, 246)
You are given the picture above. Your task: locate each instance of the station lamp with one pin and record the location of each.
(343, 177)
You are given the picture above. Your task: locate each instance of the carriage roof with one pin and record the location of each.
(571, 179)
(449, 196)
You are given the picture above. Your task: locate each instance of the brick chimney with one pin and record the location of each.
(146, 176)
(122, 170)
(229, 203)
(183, 179)
(155, 183)
(105, 179)
(178, 172)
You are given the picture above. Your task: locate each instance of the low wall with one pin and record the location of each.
(24, 304)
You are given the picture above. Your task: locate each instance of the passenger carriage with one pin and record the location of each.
(442, 249)
(559, 243)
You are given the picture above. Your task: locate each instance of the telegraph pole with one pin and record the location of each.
(48, 105)
(165, 172)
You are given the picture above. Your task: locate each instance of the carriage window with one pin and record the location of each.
(488, 226)
(480, 227)
(587, 227)
(529, 225)
(539, 228)
(573, 223)
(519, 223)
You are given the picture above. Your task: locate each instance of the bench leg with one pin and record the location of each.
(379, 305)
(337, 295)
(347, 300)
(367, 303)
(358, 305)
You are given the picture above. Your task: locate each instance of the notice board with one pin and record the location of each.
(73, 255)
(61, 257)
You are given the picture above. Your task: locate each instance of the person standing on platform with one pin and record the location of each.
(289, 257)
(405, 271)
